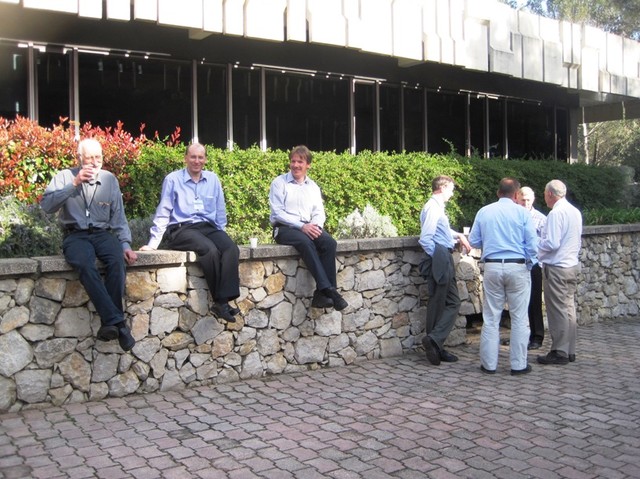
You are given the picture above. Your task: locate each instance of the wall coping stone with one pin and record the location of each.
(18, 266)
(49, 264)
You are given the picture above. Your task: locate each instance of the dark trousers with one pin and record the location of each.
(536, 321)
(319, 255)
(81, 249)
(218, 256)
(443, 304)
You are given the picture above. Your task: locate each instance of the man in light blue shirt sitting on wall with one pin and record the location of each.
(438, 240)
(297, 217)
(193, 213)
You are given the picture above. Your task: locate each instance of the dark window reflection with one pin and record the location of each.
(414, 119)
(477, 108)
(531, 130)
(365, 116)
(212, 105)
(307, 110)
(446, 122)
(13, 81)
(53, 87)
(496, 127)
(246, 107)
(136, 91)
(389, 118)
(562, 129)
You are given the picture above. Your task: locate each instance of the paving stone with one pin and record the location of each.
(396, 418)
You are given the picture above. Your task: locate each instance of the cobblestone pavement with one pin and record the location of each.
(399, 417)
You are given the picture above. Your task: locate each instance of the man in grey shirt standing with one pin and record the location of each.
(90, 210)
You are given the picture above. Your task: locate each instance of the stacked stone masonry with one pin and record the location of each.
(49, 354)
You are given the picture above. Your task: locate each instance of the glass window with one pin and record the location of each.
(53, 87)
(246, 107)
(13, 81)
(365, 116)
(562, 131)
(389, 118)
(477, 105)
(414, 119)
(212, 105)
(496, 127)
(307, 110)
(531, 130)
(446, 122)
(136, 91)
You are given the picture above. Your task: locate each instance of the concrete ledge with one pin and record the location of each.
(10, 266)
(606, 229)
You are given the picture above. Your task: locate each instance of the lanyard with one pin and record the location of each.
(84, 198)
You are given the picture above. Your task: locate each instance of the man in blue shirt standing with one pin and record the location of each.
(193, 213)
(505, 233)
(438, 240)
(297, 217)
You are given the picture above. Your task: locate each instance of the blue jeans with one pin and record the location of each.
(81, 249)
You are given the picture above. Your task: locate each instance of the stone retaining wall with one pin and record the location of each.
(48, 351)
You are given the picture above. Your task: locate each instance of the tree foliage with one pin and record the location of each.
(621, 17)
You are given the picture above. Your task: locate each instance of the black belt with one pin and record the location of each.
(176, 226)
(508, 260)
(75, 229)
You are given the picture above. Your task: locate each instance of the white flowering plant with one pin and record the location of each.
(368, 224)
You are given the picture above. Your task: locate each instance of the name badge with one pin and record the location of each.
(198, 205)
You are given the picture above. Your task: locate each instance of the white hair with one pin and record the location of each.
(557, 188)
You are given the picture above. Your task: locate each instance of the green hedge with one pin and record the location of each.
(396, 185)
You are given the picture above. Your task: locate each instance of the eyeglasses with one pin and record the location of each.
(92, 158)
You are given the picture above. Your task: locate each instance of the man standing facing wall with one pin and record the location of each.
(559, 251)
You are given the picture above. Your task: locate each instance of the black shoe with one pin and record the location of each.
(553, 358)
(487, 371)
(534, 345)
(432, 350)
(572, 358)
(124, 338)
(338, 301)
(447, 357)
(320, 300)
(107, 333)
(234, 311)
(518, 372)
(223, 311)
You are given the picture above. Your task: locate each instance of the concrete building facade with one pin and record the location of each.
(475, 76)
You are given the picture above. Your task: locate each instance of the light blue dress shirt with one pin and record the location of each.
(184, 201)
(294, 204)
(435, 228)
(505, 230)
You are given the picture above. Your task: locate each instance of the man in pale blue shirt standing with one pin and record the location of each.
(438, 240)
(559, 252)
(193, 213)
(505, 233)
(297, 217)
